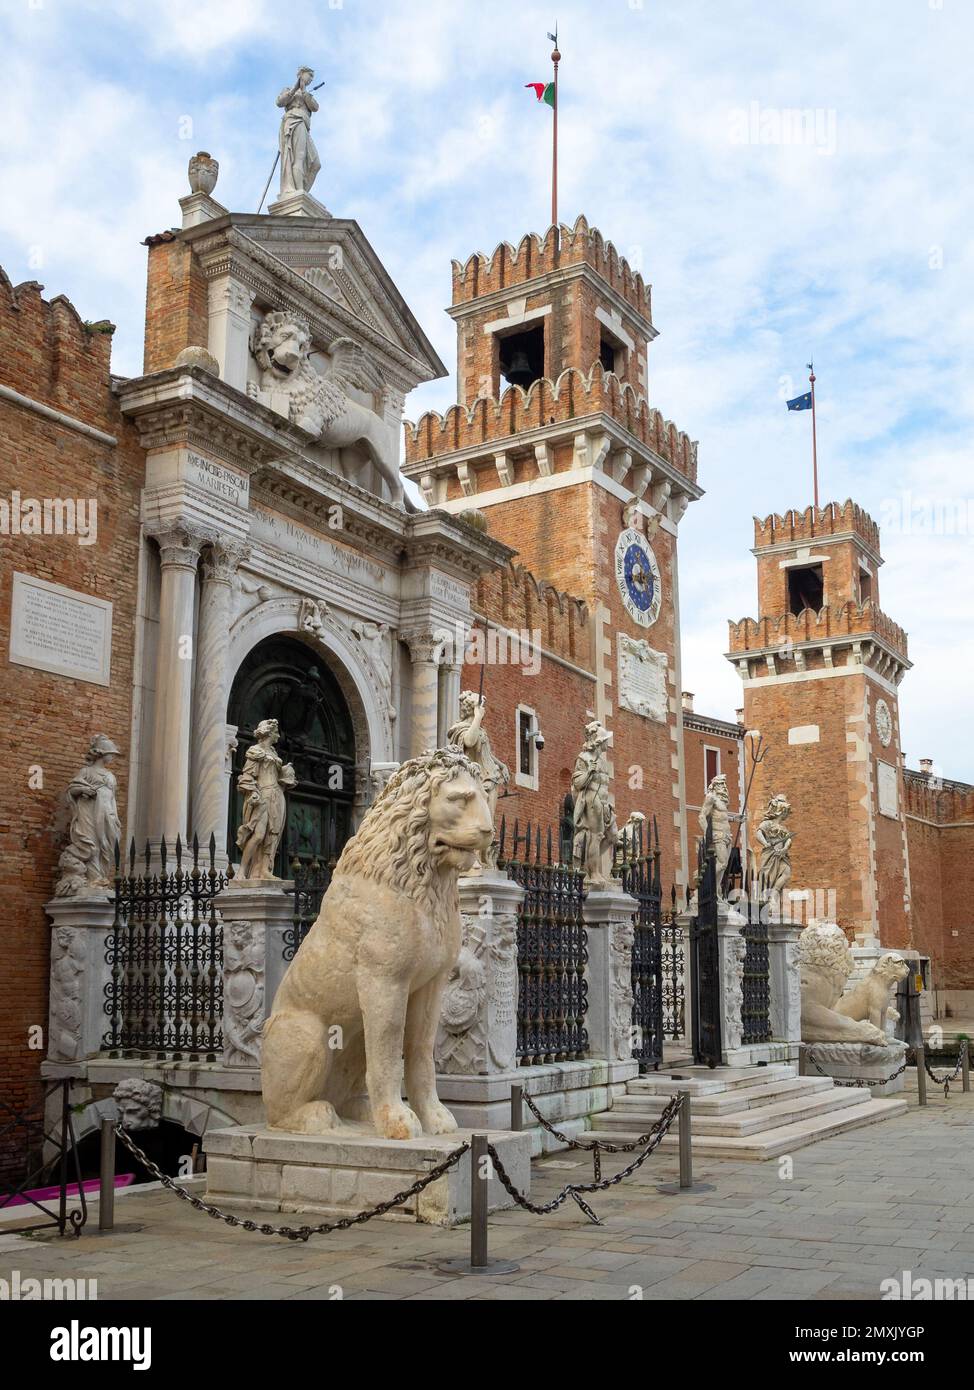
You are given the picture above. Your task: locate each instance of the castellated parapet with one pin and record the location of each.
(814, 523)
(536, 255)
(843, 620)
(515, 599)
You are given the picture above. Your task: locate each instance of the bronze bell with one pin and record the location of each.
(518, 372)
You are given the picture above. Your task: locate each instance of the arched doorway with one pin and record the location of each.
(284, 679)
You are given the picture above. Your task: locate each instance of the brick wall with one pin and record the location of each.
(940, 832)
(176, 307)
(50, 355)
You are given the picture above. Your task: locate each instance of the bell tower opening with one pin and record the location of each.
(285, 679)
(806, 589)
(521, 356)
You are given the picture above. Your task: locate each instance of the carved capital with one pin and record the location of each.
(222, 560)
(180, 544)
(425, 647)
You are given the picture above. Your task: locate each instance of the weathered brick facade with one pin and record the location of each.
(940, 834)
(53, 359)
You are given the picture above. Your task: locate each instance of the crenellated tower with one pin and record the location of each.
(821, 667)
(554, 440)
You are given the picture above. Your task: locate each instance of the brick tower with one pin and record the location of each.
(553, 440)
(821, 666)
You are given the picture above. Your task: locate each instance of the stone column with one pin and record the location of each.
(229, 305)
(425, 650)
(478, 1022)
(785, 981)
(79, 975)
(609, 914)
(255, 921)
(179, 552)
(733, 948)
(449, 701)
(212, 693)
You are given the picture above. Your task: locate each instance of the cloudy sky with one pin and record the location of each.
(847, 239)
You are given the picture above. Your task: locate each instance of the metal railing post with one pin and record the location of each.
(965, 1064)
(479, 1163)
(517, 1109)
(921, 1058)
(106, 1184)
(686, 1155)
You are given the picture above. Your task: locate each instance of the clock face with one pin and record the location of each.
(637, 575)
(884, 723)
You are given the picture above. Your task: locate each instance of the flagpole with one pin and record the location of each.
(555, 58)
(811, 378)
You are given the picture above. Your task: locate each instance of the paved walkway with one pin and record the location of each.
(892, 1197)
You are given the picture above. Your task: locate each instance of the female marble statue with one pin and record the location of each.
(775, 839)
(469, 736)
(261, 781)
(299, 158)
(595, 823)
(88, 860)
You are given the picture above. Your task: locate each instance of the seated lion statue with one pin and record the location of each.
(826, 963)
(363, 993)
(870, 998)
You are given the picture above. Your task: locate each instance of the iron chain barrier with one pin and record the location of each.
(918, 1058)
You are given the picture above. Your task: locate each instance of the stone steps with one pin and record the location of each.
(744, 1112)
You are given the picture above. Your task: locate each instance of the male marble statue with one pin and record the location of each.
(716, 810)
(595, 829)
(262, 781)
(299, 158)
(826, 963)
(469, 736)
(364, 992)
(87, 862)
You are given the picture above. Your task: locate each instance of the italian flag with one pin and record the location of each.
(544, 91)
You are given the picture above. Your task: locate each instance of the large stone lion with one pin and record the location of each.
(364, 991)
(319, 403)
(826, 963)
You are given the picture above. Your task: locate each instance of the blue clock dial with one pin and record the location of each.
(640, 582)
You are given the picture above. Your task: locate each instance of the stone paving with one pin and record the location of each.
(896, 1196)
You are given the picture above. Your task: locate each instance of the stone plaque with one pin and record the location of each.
(58, 630)
(886, 780)
(642, 679)
(218, 479)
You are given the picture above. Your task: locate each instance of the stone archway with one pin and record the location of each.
(286, 678)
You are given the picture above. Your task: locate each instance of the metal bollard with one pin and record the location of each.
(921, 1057)
(686, 1154)
(106, 1186)
(965, 1063)
(517, 1109)
(479, 1165)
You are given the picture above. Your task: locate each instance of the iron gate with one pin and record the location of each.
(705, 1011)
(552, 948)
(165, 994)
(638, 866)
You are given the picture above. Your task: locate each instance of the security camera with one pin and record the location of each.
(538, 739)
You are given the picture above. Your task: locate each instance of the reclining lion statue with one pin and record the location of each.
(826, 963)
(871, 998)
(321, 404)
(365, 988)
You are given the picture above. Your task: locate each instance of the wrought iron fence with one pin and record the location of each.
(27, 1140)
(311, 881)
(756, 1004)
(705, 1012)
(165, 950)
(637, 865)
(552, 947)
(673, 953)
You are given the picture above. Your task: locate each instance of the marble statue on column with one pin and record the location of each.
(87, 862)
(775, 839)
(262, 782)
(595, 829)
(716, 811)
(469, 736)
(299, 158)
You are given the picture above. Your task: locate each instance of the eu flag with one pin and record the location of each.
(801, 402)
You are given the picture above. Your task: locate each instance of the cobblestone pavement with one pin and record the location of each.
(858, 1208)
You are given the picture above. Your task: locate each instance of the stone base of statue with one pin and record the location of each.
(256, 1169)
(80, 974)
(870, 1063)
(298, 205)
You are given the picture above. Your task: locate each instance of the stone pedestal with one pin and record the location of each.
(785, 981)
(849, 1061)
(478, 1022)
(80, 974)
(733, 948)
(297, 205)
(256, 914)
(609, 914)
(253, 1168)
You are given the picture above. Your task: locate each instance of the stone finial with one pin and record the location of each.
(203, 172)
(194, 356)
